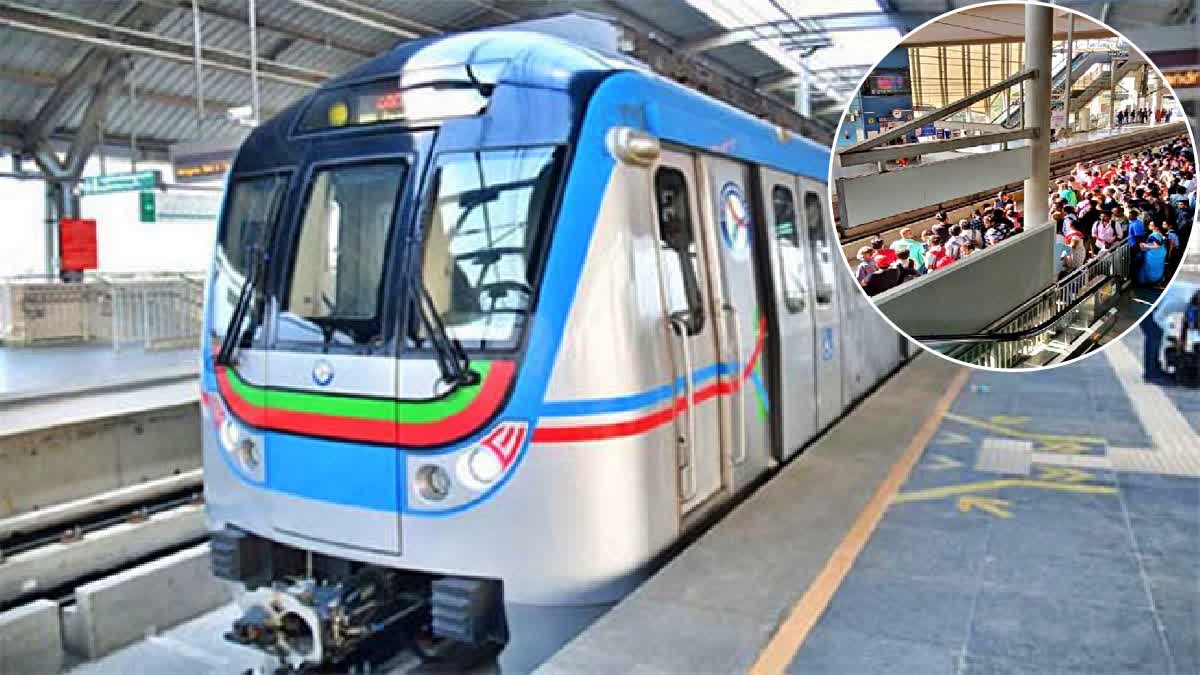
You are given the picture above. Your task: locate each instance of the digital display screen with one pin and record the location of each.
(891, 83)
(380, 102)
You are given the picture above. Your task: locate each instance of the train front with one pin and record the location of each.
(383, 315)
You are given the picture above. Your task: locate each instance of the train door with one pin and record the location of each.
(794, 311)
(741, 325)
(827, 335)
(332, 371)
(683, 274)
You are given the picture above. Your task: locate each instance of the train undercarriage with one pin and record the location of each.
(317, 613)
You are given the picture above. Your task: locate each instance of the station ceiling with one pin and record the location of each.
(55, 55)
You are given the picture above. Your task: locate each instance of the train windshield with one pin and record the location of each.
(253, 207)
(335, 283)
(483, 232)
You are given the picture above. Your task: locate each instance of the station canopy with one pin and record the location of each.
(110, 73)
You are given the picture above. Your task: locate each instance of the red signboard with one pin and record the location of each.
(77, 244)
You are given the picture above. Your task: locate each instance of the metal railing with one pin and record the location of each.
(152, 311)
(1029, 328)
(155, 311)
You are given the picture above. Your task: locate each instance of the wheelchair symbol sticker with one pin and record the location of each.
(827, 344)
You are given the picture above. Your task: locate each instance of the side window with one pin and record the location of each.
(335, 282)
(678, 239)
(788, 237)
(818, 239)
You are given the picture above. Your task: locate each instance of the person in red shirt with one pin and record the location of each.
(884, 256)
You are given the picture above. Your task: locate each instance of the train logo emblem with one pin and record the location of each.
(322, 373)
(505, 442)
(735, 220)
(827, 344)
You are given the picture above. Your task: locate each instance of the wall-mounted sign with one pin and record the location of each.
(1183, 79)
(77, 244)
(175, 205)
(197, 161)
(120, 182)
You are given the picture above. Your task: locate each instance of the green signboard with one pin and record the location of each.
(148, 207)
(120, 182)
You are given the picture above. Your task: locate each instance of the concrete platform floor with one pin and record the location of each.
(31, 371)
(1036, 535)
(1050, 524)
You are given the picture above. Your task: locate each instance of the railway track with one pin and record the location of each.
(1062, 161)
(51, 559)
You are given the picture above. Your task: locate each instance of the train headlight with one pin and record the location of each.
(484, 466)
(230, 435)
(432, 483)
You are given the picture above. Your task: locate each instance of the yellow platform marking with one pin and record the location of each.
(791, 634)
(996, 507)
(942, 462)
(1065, 474)
(947, 437)
(1052, 442)
(989, 485)
(1007, 421)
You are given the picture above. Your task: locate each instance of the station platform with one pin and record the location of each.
(37, 371)
(957, 521)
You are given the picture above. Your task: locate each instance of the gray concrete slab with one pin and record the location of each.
(1064, 567)
(50, 566)
(47, 369)
(30, 642)
(713, 607)
(119, 610)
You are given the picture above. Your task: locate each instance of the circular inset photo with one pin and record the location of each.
(1014, 185)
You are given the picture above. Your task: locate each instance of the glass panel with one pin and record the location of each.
(337, 270)
(814, 215)
(482, 236)
(253, 205)
(678, 239)
(788, 236)
(247, 225)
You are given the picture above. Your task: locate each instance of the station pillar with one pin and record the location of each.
(1039, 33)
(1158, 100)
(1065, 132)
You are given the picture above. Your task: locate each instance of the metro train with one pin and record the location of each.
(493, 321)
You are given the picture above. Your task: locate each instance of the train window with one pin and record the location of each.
(483, 230)
(338, 266)
(249, 219)
(818, 239)
(788, 237)
(678, 236)
(253, 204)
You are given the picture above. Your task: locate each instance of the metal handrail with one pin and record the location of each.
(1030, 325)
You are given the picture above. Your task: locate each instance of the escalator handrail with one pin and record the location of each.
(962, 338)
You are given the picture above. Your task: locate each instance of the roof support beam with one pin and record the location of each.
(829, 23)
(79, 77)
(371, 18)
(128, 40)
(787, 80)
(281, 28)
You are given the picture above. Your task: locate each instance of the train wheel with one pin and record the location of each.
(453, 654)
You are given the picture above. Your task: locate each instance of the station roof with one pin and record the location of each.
(56, 54)
(998, 23)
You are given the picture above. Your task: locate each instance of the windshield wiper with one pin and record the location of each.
(233, 331)
(452, 359)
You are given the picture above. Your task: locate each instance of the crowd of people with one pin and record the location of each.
(1147, 198)
(1142, 116)
(881, 267)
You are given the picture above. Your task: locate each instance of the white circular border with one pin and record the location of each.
(829, 186)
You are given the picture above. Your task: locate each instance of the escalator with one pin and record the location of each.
(1081, 64)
